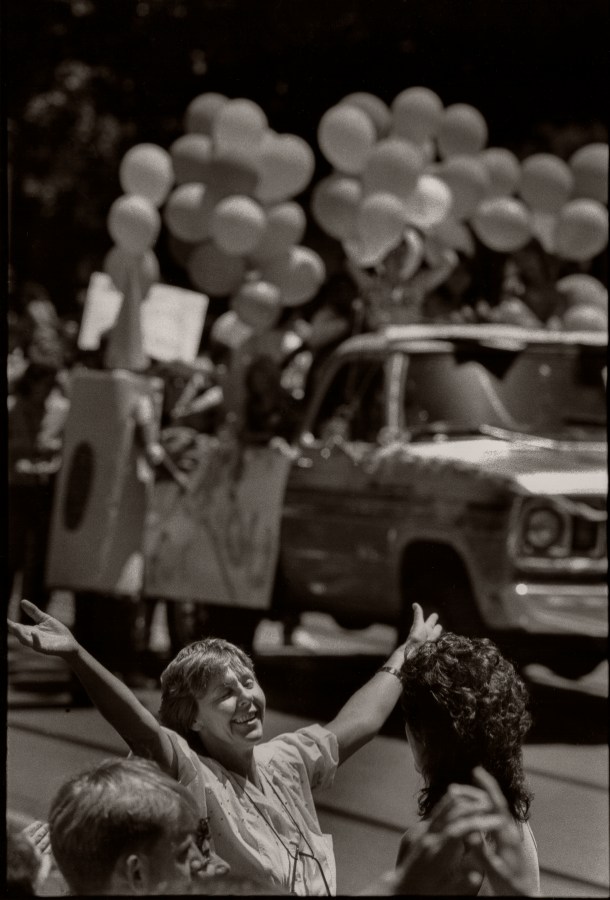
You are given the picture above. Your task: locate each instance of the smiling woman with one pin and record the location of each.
(255, 797)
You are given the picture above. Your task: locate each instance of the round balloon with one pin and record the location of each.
(393, 167)
(190, 155)
(504, 170)
(455, 235)
(462, 131)
(201, 112)
(299, 275)
(146, 170)
(546, 182)
(229, 177)
(589, 166)
(188, 213)
(346, 135)
(582, 230)
(544, 228)
(502, 224)
(285, 227)
(258, 304)
(118, 264)
(429, 204)
(583, 290)
(381, 223)
(585, 318)
(374, 107)
(468, 181)
(237, 225)
(335, 202)
(417, 113)
(228, 329)
(134, 223)
(285, 166)
(238, 128)
(215, 272)
(360, 254)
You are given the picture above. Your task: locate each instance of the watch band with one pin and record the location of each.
(392, 671)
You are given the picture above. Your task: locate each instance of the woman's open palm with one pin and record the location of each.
(47, 636)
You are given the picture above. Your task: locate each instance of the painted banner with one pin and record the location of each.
(104, 485)
(217, 539)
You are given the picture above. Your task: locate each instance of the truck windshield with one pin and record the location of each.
(551, 391)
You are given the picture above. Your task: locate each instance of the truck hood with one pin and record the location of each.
(564, 469)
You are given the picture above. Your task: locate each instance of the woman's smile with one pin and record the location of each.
(246, 719)
(231, 712)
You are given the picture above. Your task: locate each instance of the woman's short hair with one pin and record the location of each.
(187, 678)
(467, 705)
(119, 807)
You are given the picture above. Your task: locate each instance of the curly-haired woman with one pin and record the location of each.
(465, 705)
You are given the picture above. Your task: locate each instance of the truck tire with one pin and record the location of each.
(442, 586)
(190, 621)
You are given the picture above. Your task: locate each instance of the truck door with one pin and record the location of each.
(334, 532)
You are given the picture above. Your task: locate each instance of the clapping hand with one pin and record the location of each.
(422, 630)
(504, 861)
(48, 635)
(429, 863)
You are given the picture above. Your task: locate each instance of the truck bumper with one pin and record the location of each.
(558, 608)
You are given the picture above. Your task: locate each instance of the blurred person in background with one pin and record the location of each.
(36, 418)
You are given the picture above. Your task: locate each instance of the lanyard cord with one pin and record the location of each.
(298, 853)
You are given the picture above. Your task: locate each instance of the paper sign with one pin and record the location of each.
(102, 306)
(172, 318)
(172, 322)
(218, 540)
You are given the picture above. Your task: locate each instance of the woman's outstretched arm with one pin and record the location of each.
(366, 711)
(119, 706)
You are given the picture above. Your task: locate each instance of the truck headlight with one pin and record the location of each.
(542, 528)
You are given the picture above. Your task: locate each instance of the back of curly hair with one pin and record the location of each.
(467, 706)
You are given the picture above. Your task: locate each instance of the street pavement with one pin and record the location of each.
(373, 799)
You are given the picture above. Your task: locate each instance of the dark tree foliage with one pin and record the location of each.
(86, 79)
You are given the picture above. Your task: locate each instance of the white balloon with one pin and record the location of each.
(430, 203)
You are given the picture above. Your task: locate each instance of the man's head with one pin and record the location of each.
(126, 828)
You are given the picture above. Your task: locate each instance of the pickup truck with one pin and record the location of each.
(463, 467)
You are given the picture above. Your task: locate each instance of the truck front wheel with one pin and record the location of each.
(445, 589)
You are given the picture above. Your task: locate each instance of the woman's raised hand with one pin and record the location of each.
(422, 630)
(47, 636)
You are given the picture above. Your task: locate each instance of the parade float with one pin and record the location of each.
(414, 194)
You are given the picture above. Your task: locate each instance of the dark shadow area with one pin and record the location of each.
(567, 717)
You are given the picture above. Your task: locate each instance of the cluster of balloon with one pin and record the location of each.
(380, 184)
(566, 206)
(227, 188)
(406, 176)
(419, 168)
(586, 303)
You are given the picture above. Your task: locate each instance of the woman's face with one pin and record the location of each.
(231, 712)
(417, 749)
